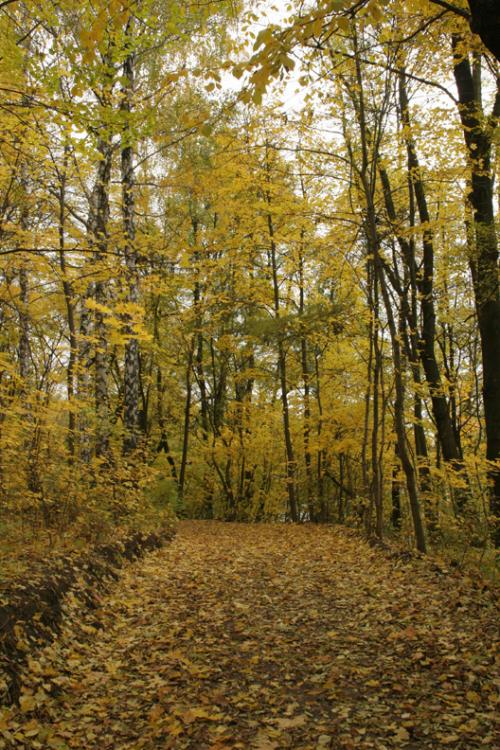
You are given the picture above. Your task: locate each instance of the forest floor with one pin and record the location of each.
(267, 637)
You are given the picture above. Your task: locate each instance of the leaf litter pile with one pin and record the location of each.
(267, 637)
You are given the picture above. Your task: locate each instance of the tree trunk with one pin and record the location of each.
(407, 292)
(306, 431)
(479, 132)
(163, 444)
(98, 240)
(320, 453)
(396, 491)
(69, 300)
(485, 21)
(366, 172)
(131, 377)
(399, 420)
(440, 408)
(282, 373)
(187, 422)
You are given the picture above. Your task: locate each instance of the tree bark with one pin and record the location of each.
(306, 376)
(425, 281)
(131, 377)
(399, 421)
(282, 370)
(485, 21)
(98, 240)
(479, 134)
(69, 301)
(187, 422)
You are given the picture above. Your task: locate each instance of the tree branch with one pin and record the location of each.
(452, 8)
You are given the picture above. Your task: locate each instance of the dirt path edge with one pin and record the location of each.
(32, 609)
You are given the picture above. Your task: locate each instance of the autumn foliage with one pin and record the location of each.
(220, 304)
(265, 638)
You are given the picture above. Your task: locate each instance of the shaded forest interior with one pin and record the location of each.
(249, 268)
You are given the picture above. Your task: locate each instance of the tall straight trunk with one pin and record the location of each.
(69, 301)
(440, 407)
(320, 453)
(200, 373)
(282, 369)
(243, 387)
(98, 240)
(186, 426)
(102, 404)
(3, 397)
(163, 444)
(282, 374)
(306, 377)
(396, 491)
(408, 331)
(83, 376)
(24, 346)
(399, 420)
(376, 475)
(132, 374)
(219, 388)
(366, 185)
(24, 327)
(365, 471)
(479, 135)
(199, 368)
(26, 374)
(306, 432)
(199, 365)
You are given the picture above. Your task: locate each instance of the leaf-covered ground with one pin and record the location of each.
(265, 637)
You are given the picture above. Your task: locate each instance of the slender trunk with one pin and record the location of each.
(306, 432)
(365, 511)
(340, 499)
(408, 323)
(131, 377)
(200, 376)
(187, 422)
(366, 178)
(69, 300)
(399, 420)
(24, 326)
(98, 230)
(320, 453)
(163, 444)
(440, 408)
(376, 478)
(84, 364)
(199, 367)
(219, 388)
(396, 491)
(26, 374)
(282, 373)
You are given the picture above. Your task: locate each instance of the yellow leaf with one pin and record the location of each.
(27, 703)
(473, 697)
(156, 713)
(402, 735)
(295, 721)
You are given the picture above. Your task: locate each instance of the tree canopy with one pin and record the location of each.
(249, 265)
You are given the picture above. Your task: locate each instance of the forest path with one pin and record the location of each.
(272, 636)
